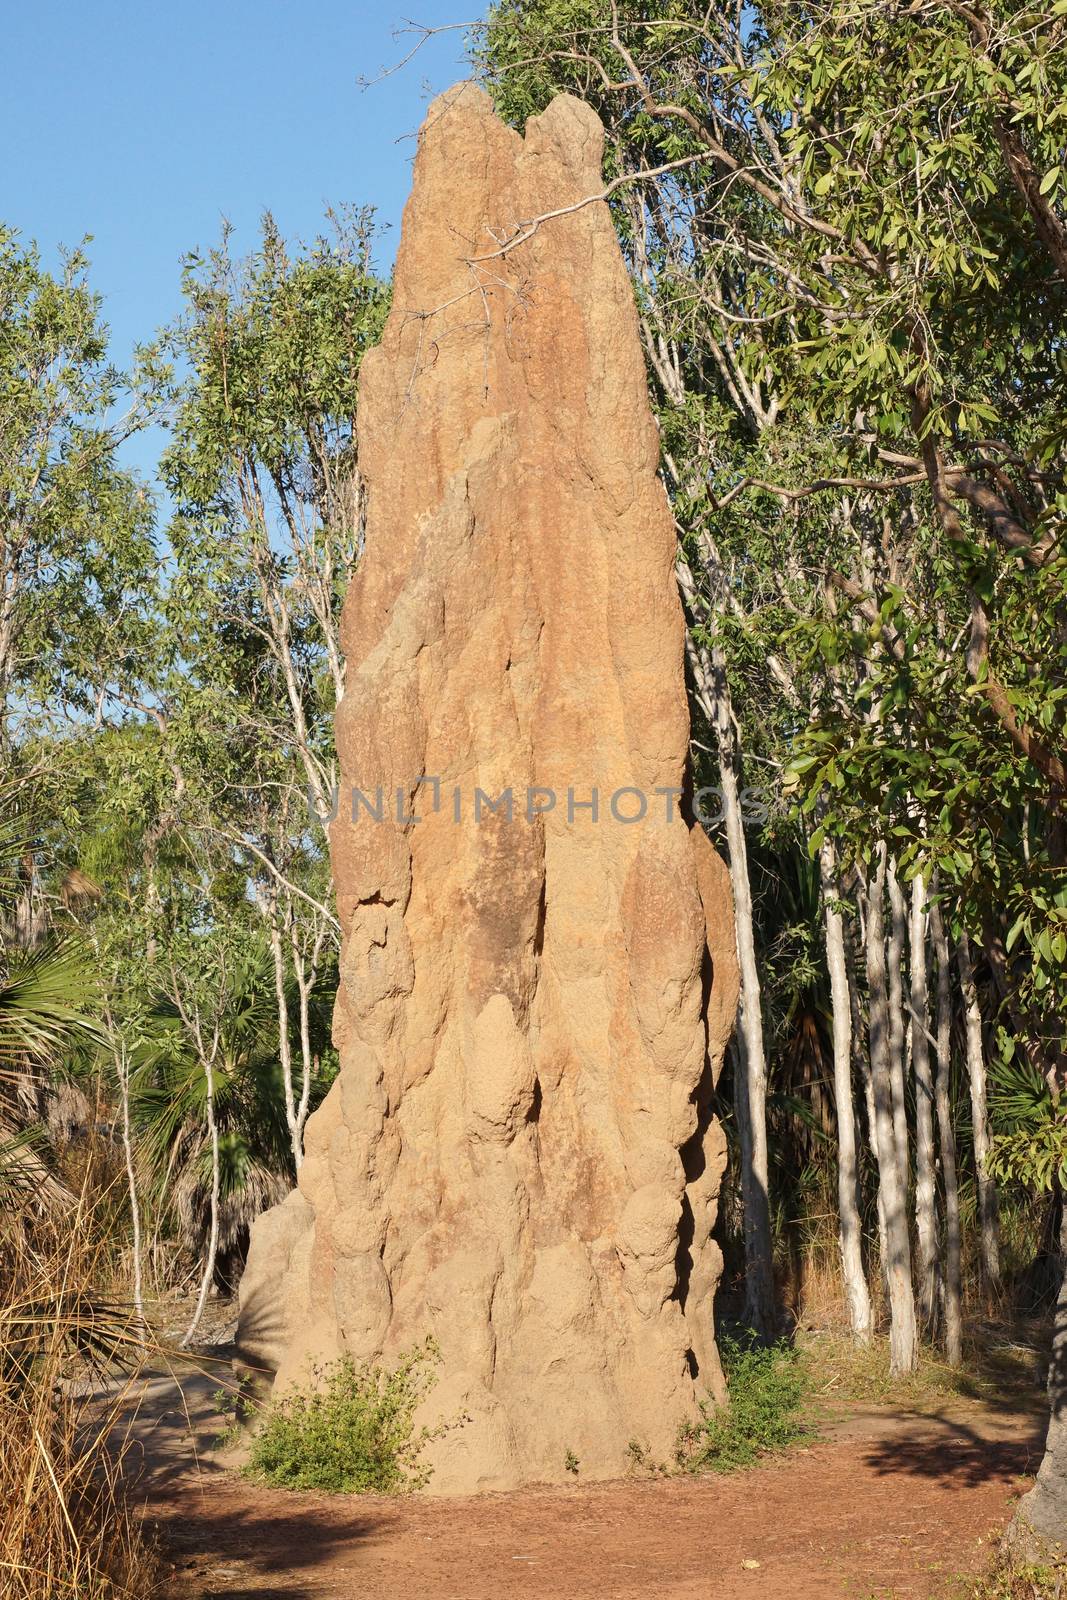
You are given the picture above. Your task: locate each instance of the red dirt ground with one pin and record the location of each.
(886, 1504)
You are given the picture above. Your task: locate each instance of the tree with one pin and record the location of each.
(268, 528)
(77, 555)
(852, 1271)
(845, 231)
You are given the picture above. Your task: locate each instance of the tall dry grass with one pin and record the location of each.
(67, 1356)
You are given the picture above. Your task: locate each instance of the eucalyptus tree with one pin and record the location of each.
(77, 554)
(263, 473)
(711, 411)
(845, 227)
(206, 1092)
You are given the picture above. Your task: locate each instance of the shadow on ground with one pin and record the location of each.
(949, 1448)
(216, 1546)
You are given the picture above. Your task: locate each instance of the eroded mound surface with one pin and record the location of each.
(518, 1156)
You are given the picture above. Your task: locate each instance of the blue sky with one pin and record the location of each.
(145, 123)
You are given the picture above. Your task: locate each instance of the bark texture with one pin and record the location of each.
(925, 1174)
(892, 1181)
(976, 1073)
(1039, 1526)
(943, 1100)
(850, 1228)
(518, 1156)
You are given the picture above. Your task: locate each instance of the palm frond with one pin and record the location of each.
(46, 1001)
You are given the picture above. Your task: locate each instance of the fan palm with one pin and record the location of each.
(170, 1092)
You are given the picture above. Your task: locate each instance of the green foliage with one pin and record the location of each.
(761, 1416)
(46, 1002)
(77, 552)
(851, 313)
(1030, 1146)
(351, 1431)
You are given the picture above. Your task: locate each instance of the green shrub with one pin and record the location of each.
(767, 1386)
(351, 1431)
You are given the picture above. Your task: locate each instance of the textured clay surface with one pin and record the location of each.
(518, 1156)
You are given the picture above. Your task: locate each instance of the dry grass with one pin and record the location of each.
(995, 1367)
(66, 1528)
(1003, 1353)
(1009, 1581)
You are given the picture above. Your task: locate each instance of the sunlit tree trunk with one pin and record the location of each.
(925, 1187)
(862, 1060)
(750, 1080)
(123, 1072)
(898, 923)
(285, 1050)
(213, 1230)
(1040, 1518)
(903, 1346)
(859, 1302)
(987, 1190)
(953, 1270)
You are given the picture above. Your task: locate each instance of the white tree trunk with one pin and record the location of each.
(750, 1081)
(953, 1270)
(898, 924)
(1038, 1529)
(213, 1234)
(925, 1179)
(750, 1085)
(271, 909)
(862, 1063)
(306, 972)
(859, 1302)
(987, 1190)
(123, 1067)
(903, 1344)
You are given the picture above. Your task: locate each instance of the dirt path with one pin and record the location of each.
(888, 1504)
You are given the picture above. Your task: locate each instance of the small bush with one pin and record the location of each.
(767, 1387)
(351, 1431)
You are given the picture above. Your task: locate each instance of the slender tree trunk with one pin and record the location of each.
(213, 1234)
(989, 1231)
(750, 1080)
(861, 1053)
(859, 1302)
(903, 1349)
(131, 1183)
(898, 923)
(161, 1210)
(953, 1269)
(306, 972)
(750, 1083)
(285, 1053)
(1040, 1518)
(862, 1063)
(925, 1179)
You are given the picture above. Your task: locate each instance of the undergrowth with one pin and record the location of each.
(1010, 1580)
(351, 1430)
(998, 1362)
(67, 1359)
(767, 1386)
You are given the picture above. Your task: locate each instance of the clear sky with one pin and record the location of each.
(144, 122)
